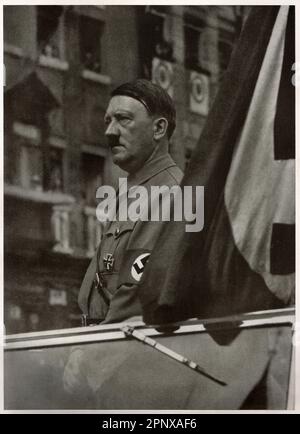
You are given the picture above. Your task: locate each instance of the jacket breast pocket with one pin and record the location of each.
(114, 245)
(117, 229)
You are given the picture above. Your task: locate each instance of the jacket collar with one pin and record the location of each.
(150, 169)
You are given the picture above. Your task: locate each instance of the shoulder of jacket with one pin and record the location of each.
(175, 173)
(169, 176)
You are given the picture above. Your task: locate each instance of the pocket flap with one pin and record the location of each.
(118, 228)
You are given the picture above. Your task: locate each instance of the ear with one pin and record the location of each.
(160, 127)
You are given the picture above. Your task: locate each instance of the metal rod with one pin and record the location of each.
(131, 332)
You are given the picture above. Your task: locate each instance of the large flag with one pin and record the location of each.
(244, 258)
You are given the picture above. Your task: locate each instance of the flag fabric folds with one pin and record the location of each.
(244, 258)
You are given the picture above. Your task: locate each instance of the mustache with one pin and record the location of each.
(113, 141)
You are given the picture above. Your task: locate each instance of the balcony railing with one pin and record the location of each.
(61, 228)
(75, 229)
(61, 224)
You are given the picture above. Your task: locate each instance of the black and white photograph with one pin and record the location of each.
(149, 189)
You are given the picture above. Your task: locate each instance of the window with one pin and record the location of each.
(159, 29)
(30, 165)
(56, 182)
(225, 46)
(155, 36)
(193, 29)
(34, 161)
(92, 177)
(231, 20)
(50, 31)
(90, 34)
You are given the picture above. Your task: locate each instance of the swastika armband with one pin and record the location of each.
(133, 266)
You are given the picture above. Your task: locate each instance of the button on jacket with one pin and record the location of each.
(124, 250)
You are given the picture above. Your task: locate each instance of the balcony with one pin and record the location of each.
(36, 195)
(49, 221)
(62, 219)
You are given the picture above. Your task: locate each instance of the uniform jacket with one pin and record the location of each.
(129, 244)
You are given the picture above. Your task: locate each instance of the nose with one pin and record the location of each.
(112, 129)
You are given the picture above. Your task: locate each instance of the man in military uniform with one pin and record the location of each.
(140, 121)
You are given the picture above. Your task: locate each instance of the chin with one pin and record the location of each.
(120, 163)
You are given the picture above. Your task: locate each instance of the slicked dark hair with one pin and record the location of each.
(155, 99)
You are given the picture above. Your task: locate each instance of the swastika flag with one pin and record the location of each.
(244, 259)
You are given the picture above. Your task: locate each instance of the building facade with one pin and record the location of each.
(61, 62)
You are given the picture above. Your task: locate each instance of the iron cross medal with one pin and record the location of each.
(109, 261)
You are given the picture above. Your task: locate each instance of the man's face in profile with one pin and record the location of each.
(129, 132)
